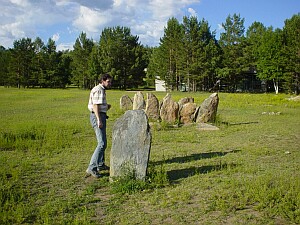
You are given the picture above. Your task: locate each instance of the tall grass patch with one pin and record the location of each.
(271, 193)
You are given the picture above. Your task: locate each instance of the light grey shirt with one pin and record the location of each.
(98, 97)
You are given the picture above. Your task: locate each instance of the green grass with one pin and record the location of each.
(248, 172)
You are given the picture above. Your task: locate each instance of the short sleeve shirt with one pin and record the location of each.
(98, 97)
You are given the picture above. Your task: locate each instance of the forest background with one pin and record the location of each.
(260, 59)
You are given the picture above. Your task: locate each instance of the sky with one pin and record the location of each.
(64, 20)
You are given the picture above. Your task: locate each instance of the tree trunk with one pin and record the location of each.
(276, 86)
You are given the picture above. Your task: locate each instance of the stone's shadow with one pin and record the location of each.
(175, 175)
(238, 123)
(194, 157)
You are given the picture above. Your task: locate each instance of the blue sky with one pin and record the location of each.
(64, 20)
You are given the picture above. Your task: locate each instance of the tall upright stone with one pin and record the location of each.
(207, 112)
(131, 143)
(187, 113)
(138, 101)
(125, 103)
(169, 109)
(152, 106)
(185, 100)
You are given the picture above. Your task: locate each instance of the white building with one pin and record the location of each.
(160, 85)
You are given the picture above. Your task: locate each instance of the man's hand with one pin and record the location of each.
(100, 124)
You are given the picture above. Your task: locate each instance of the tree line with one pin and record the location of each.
(189, 56)
(35, 64)
(260, 59)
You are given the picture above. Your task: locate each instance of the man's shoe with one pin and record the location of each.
(93, 173)
(103, 167)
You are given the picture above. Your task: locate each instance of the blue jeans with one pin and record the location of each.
(98, 159)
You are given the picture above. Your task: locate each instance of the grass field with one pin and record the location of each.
(248, 172)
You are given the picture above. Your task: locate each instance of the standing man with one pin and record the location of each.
(98, 108)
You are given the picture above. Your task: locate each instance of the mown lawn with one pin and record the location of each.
(248, 172)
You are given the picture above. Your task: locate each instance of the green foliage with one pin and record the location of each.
(200, 54)
(157, 176)
(12, 199)
(270, 64)
(122, 56)
(231, 41)
(4, 66)
(188, 53)
(253, 40)
(22, 139)
(167, 61)
(291, 51)
(20, 63)
(128, 184)
(275, 194)
(82, 51)
(34, 64)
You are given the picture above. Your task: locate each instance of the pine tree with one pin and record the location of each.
(169, 53)
(291, 32)
(80, 62)
(4, 70)
(120, 55)
(20, 66)
(270, 63)
(231, 41)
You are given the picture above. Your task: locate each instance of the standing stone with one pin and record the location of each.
(185, 100)
(131, 143)
(169, 109)
(187, 113)
(152, 106)
(207, 112)
(125, 103)
(138, 101)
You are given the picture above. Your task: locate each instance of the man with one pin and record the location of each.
(98, 108)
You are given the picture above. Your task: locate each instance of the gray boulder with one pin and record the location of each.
(125, 103)
(207, 112)
(187, 113)
(185, 100)
(131, 143)
(138, 101)
(169, 109)
(152, 106)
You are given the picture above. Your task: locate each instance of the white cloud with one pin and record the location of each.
(22, 3)
(55, 37)
(163, 10)
(149, 32)
(68, 18)
(92, 4)
(192, 12)
(64, 46)
(12, 30)
(220, 27)
(90, 21)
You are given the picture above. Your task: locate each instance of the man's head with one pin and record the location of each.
(105, 80)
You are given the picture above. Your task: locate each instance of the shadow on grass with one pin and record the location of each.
(194, 157)
(175, 175)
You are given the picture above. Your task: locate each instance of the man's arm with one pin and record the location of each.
(97, 113)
